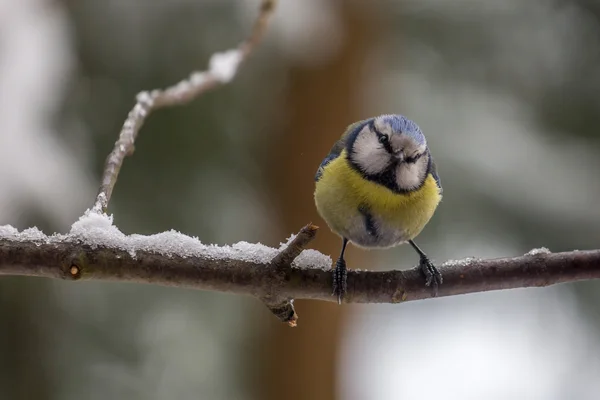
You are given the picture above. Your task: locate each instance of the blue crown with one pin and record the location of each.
(401, 124)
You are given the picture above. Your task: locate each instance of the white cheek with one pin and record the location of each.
(369, 155)
(410, 176)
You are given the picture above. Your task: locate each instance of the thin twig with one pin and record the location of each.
(222, 69)
(75, 261)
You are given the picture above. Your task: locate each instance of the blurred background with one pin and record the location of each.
(506, 92)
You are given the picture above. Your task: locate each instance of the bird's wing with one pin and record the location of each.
(433, 172)
(339, 146)
(334, 153)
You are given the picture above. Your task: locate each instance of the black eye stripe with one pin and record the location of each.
(414, 159)
(385, 142)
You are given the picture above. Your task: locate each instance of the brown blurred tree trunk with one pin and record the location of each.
(321, 102)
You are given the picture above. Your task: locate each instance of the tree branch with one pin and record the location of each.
(222, 69)
(279, 281)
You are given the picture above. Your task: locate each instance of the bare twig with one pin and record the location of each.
(222, 68)
(71, 260)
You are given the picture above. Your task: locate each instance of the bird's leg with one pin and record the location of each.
(340, 274)
(433, 277)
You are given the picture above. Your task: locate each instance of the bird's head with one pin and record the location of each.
(391, 150)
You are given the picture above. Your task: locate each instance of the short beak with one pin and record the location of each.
(399, 155)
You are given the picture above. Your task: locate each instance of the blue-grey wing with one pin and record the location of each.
(340, 145)
(433, 172)
(334, 153)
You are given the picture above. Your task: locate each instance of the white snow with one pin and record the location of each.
(8, 232)
(197, 78)
(459, 263)
(312, 258)
(535, 252)
(144, 98)
(223, 66)
(97, 230)
(33, 234)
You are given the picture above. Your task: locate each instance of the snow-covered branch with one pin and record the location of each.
(95, 249)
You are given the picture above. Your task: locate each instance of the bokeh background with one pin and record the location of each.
(506, 92)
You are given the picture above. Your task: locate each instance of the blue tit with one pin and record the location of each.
(377, 188)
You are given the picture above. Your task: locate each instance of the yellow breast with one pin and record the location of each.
(341, 190)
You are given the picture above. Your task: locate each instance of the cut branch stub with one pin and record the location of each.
(285, 258)
(283, 308)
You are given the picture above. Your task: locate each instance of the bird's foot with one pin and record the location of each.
(433, 277)
(340, 274)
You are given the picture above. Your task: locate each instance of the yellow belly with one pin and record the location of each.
(341, 190)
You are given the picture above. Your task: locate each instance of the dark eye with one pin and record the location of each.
(383, 139)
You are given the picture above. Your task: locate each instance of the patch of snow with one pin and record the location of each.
(33, 234)
(97, 230)
(197, 78)
(8, 232)
(310, 258)
(459, 263)
(223, 66)
(535, 252)
(144, 98)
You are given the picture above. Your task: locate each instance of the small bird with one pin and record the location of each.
(377, 188)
